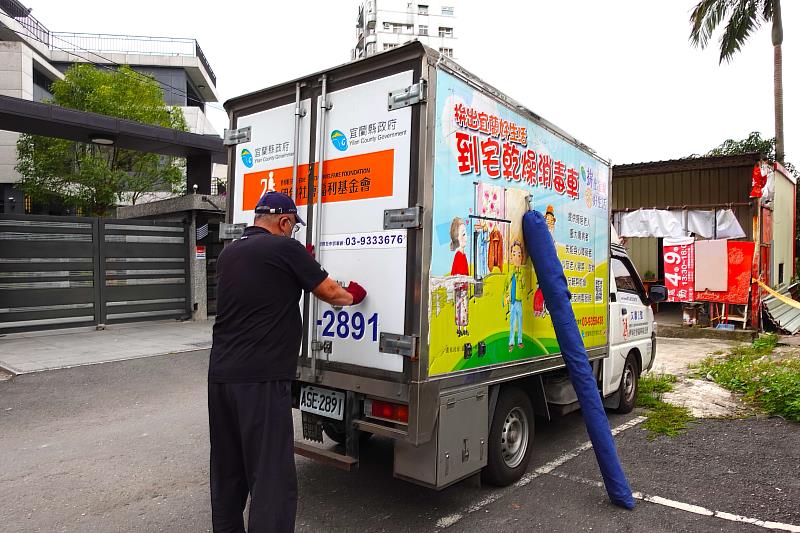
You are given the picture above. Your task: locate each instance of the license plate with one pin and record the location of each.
(323, 402)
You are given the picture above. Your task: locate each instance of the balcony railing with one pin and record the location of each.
(33, 28)
(130, 44)
(104, 43)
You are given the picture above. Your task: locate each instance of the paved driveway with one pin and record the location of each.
(123, 447)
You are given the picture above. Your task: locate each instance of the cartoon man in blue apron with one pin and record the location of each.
(515, 287)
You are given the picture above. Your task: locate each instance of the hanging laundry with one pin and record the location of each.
(701, 223)
(651, 223)
(728, 226)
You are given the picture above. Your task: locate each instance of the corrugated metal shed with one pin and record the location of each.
(782, 314)
(675, 183)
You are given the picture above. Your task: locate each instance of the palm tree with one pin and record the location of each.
(743, 17)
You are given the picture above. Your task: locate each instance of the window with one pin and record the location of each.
(446, 52)
(447, 10)
(623, 277)
(389, 46)
(397, 27)
(445, 32)
(422, 9)
(780, 273)
(423, 30)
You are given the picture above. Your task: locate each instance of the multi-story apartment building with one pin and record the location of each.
(32, 57)
(385, 24)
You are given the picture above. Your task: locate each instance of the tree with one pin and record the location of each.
(752, 143)
(91, 177)
(743, 17)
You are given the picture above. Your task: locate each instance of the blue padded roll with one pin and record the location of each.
(557, 297)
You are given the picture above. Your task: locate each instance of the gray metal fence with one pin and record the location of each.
(58, 272)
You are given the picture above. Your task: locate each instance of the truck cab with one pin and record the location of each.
(632, 330)
(632, 342)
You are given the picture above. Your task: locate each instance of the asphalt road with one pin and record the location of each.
(124, 446)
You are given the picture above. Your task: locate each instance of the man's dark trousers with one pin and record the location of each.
(252, 450)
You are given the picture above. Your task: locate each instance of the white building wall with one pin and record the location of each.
(397, 22)
(197, 121)
(16, 80)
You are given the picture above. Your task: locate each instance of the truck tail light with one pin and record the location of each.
(386, 410)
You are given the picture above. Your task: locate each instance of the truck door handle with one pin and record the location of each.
(624, 311)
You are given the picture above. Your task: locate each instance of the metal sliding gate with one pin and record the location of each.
(58, 272)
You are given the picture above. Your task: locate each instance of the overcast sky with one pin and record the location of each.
(619, 75)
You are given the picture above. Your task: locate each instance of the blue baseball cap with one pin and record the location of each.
(277, 203)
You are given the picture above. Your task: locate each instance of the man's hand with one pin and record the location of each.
(331, 292)
(357, 291)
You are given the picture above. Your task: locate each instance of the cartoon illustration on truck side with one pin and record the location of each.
(515, 288)
(458, 243)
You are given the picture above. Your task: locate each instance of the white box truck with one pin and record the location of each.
(426, 172)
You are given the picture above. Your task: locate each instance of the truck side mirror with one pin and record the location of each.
(658, 293)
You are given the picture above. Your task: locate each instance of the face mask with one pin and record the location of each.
(294, 229)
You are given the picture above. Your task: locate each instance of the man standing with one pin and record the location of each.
(256, 342)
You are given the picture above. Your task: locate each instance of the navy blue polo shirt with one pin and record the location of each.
(258, 329)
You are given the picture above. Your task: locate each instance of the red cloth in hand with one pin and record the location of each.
(357, 291)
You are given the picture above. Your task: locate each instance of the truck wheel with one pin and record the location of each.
(628, 385)
(335, 431)
(510, 438)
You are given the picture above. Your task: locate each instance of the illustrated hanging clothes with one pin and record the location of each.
(482, 237)
(461, 268)
(495, 258)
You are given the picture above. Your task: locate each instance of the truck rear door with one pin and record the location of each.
(366, 150)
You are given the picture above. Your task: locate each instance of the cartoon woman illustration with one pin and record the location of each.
(458, 243)
(515, 288)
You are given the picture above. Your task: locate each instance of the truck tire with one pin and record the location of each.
(335, 432)
(628, 385)
(510, 438)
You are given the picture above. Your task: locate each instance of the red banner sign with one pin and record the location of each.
(679, 269)
(740, 266)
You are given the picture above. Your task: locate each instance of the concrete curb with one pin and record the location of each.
(682, 332)
(17, 372)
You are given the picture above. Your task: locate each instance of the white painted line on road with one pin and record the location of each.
(560, 460)
(449, 520)
(627, 425)
(688, 507)
(718, 514)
